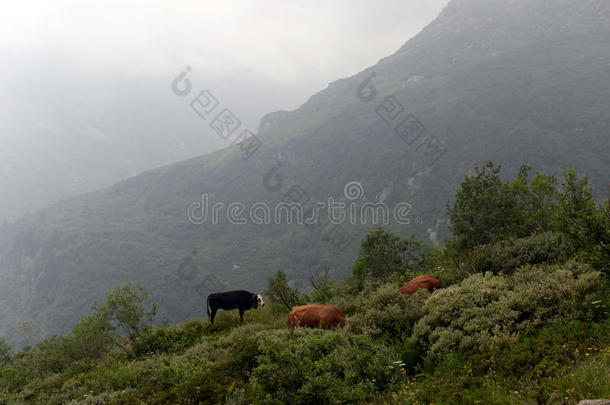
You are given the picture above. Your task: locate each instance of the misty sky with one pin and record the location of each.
(85, 95)
(281, 50)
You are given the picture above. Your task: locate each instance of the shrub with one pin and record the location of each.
(89, 340)
(331, 291)
(486, 312)
(508, 255)
(382, 253)
(279, 291)
(488, 209)
(542, 354)
(124, 309)
(6, 352)
(589, 379)
(214, 383)
(169, 340)
(384, 312)
(320, 367)
(586, 223)
(453, 382)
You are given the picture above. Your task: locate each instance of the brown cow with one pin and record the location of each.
(430, 283)
(316, 316)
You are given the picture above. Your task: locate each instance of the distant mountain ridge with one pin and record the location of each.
(518, 81)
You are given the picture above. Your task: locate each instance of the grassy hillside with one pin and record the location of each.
(522, 316)
(533, 334)
(519, 81)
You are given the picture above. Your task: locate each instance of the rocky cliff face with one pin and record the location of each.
(272, 121)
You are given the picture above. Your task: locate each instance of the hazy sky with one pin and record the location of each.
(282, 51)
(85, 96)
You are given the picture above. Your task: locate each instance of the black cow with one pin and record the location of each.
(240, 299)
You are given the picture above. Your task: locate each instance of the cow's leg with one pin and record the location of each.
(241, 316)
(213, 315)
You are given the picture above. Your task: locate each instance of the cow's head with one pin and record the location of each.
(257, 299)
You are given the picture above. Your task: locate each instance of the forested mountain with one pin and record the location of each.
(519, 81)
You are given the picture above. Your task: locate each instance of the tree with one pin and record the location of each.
(125, 311)
(487, 209)
(90, 338)
(6, 352)
(319, 277)
(279, 291)
(544, 201)
(383, 253)
(121, 315)
(586, 223)
(483, 207)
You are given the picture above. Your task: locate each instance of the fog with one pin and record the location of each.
(85, 86)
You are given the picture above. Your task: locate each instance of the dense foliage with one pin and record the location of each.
(382, 253)
(508, 255)
(280, 292)
(487, 312)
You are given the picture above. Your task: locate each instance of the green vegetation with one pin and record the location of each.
(524, 320)
(382, 253)
(280, 292)
(5, 352)
(488, 209)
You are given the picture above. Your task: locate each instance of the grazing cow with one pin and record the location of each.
(316, 316)
(430, 283)
(240, 299)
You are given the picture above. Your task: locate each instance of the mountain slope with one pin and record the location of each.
(521, 81)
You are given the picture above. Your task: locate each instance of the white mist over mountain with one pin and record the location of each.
(85, 97)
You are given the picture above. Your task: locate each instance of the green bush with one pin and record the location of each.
(589, 379)
(382, 253)
(6, 352)
(452, 382)
(508, 255)
(170, 340)
(14, 377)
(488, 209)
(486, 311)
(279, 291)
(312, 367)
(560, 363)
(211, 385)
(585, 223)
(542, 354)
(385, 312)
(333, 292)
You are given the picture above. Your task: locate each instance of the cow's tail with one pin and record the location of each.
(207, 306)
